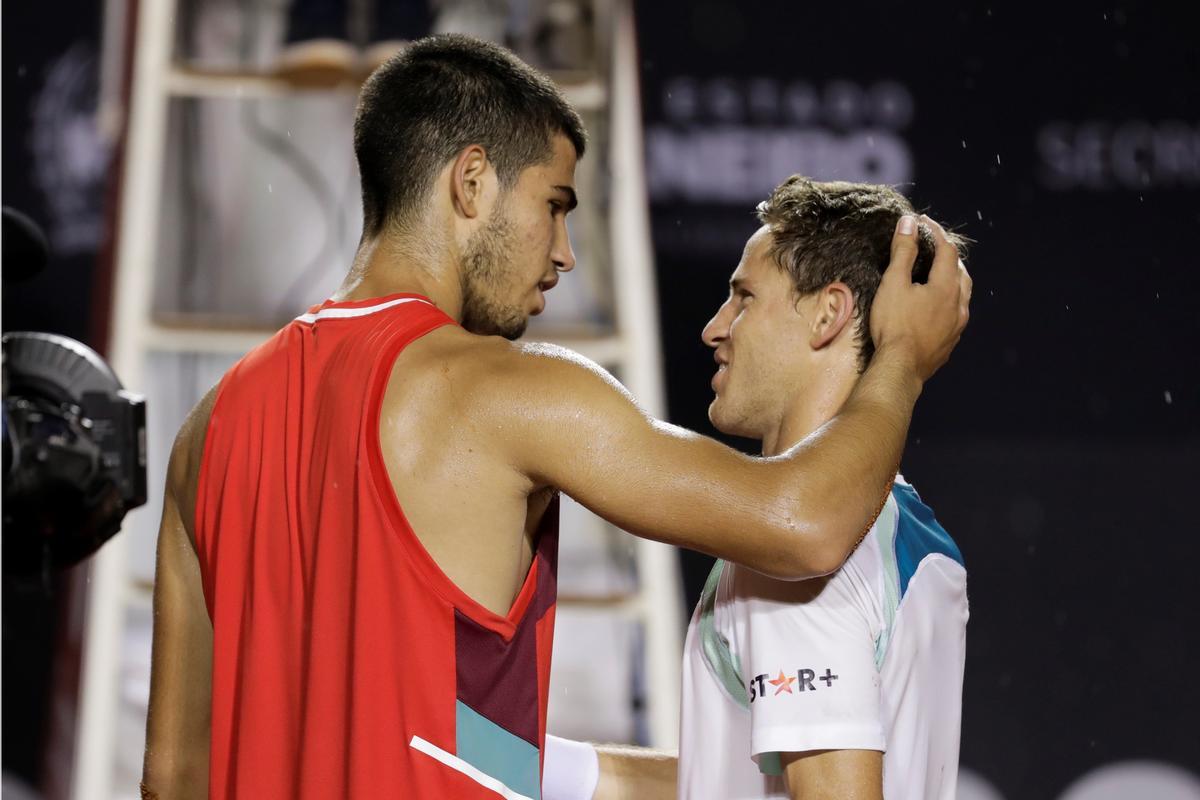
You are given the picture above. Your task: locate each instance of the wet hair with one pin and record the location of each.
(823, 232)
(439, 95)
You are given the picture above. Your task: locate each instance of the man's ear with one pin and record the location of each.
(833, 312)
(467, 180)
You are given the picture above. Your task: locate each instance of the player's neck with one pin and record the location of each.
(386, 266)
(808, 410)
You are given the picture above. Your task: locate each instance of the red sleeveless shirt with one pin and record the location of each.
(345, 662)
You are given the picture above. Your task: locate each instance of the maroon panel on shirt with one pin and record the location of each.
(499, 679)
(547, 553)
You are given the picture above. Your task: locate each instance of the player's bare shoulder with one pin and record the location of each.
(489, 374)
(526, 408)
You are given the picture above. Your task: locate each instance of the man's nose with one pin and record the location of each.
(717, 329)
(562, 255)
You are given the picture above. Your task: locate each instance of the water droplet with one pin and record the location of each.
(964, 144)
(979, 214)
(997, 158)
(269, 189)
(1167, 397)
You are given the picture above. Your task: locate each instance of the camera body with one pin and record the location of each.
(74, 452)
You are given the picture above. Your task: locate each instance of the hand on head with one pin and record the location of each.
(921, 322)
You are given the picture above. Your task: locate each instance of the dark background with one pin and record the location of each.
(1060, 446)
(56, 169)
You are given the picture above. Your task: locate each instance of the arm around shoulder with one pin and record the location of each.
(564, 422)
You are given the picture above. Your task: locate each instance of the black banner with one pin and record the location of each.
(1060, 443)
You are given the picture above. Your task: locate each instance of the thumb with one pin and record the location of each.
(904, 250)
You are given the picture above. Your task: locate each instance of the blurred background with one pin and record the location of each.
(190, 165)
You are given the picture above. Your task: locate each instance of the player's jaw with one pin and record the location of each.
(741, 387)
(499, 296)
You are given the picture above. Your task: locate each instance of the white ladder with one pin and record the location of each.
(632, 350)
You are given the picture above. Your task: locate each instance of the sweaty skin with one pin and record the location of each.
(785, 366)
(475, 449)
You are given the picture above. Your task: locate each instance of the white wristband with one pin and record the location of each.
(570, 770)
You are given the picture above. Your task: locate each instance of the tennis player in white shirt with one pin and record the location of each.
(848, 686)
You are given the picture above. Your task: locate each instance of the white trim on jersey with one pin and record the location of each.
(348, 313)
(455, 763)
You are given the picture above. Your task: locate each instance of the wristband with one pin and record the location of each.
(570, 770)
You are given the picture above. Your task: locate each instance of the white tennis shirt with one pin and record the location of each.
(869, 658)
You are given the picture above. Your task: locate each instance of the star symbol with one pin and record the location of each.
(783, 682)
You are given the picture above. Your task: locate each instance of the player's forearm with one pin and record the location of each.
(629, 773)
(843, 471)
(575, 770)
(834, 775)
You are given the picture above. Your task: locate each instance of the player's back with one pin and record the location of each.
(345, 662)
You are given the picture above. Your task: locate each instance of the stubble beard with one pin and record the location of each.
(734, 415)
(485, 276)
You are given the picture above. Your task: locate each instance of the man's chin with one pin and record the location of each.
(717, 417)
(511, 326)
(727, 422)
(512, 333)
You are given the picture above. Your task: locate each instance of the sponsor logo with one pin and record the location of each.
(802, 680)
(1105, 155)
(749, 133)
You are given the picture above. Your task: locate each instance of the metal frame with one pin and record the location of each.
(633, 350)
(136, 241)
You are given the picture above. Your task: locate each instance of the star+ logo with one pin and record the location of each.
(803, 680)
(783, 682)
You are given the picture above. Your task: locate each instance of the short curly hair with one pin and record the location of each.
(439, 95)
(822, 232)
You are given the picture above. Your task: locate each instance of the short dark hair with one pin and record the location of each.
(442, 94)
(823, 232)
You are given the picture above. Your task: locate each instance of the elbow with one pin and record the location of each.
(815, 560)
(808, 548)
(827, 559)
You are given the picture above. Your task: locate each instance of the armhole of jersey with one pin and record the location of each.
(435, 577)
(885, 535)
